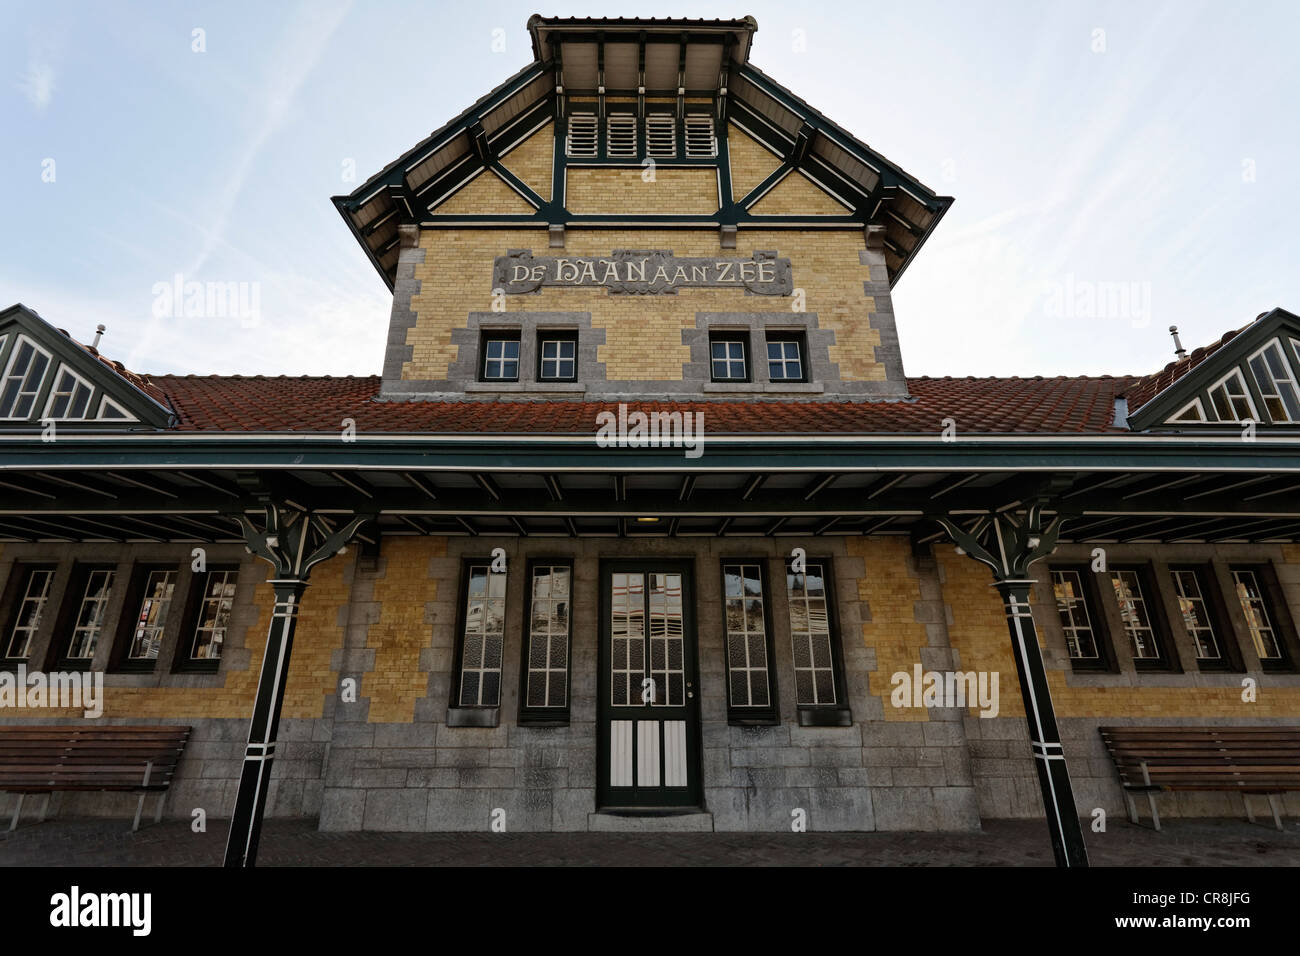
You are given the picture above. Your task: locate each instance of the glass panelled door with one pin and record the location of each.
(649, 747)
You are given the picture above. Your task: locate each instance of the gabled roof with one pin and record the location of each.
(691, 56)
(1156, 397)
(106, 394)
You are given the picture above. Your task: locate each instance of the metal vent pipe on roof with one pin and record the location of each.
(1178, 346)
(99, 332)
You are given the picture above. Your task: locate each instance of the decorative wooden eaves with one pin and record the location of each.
(77, 389)
(681, 59)
(1188, 402)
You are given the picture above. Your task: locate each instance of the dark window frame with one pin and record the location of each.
(544, 716)
(124, 633)
(1229, 659)
(56, 658)
(742, 337)
(1105, 661)
(1279, 615)
(499, 335)
(476, 715)
(840, 713)
(1153, 599)
(801, 341)
(20, 575)
(751, 716)
(182, 661)
(556, 335)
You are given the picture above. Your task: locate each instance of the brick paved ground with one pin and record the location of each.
(298, 843)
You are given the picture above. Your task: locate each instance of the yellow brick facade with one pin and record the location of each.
(487, 194)
(795, 195)
(979, 632)
(626, 191)
(643, 338)
(318, 637)
(890, 590)
(750, 163)
(400, 634)
(533, 161)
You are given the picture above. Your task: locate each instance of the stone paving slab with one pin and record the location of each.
(298, 843)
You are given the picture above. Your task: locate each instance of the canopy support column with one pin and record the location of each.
(292, 541)
(1008, 543)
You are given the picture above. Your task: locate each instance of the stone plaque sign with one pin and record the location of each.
(645, 272)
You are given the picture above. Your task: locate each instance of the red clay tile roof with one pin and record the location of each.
(978, 405)
(1149, 386)
(143, 382)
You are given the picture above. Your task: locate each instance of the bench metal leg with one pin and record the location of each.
(138, 807)
(1245, 802)
(1155, 814)
(1132, 808)
(13, 824)
(45, 807)
(1277, 813)
(157, 815)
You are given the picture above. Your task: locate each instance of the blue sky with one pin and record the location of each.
(1093, 149)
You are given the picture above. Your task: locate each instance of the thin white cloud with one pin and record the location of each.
(37, 83)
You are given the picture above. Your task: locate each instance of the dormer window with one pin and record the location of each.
(1277, 384)
(70, 398)
(1231, 401)
(23, 379)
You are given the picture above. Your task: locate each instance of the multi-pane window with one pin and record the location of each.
(627, 637)
(1254, 606)
(70, 396)
(746, 635)
(1076, 618)
(483, 637)
(1196, 614)
(146, 638)
(110, 409)
(1193, 411)
(701, 143)
(727, 358)
(580, 140)
(620, 136)
(784, 360)
(661, 135)
(214, 615)
(31, 609)
(1135, 614)
(89, 621)
(1277, 384)
(647, 613)
(810, 630)
(1231, 401)
(546, 683)
(23, 378)
(501, 358)
(559, 359)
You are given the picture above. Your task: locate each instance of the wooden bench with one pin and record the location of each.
(1249, 760)
(45, 759)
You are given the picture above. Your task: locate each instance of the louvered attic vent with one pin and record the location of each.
(621, 135)
(581, 137)
(700, 141)
(661, 135)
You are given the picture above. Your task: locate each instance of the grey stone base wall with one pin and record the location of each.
(1007, 783)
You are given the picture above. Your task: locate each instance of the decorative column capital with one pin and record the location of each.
(293, 541)
(1009, 541)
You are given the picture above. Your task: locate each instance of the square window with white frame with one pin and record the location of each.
(557, 357)
(500, 357)
(785, 358)
(728, 359)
